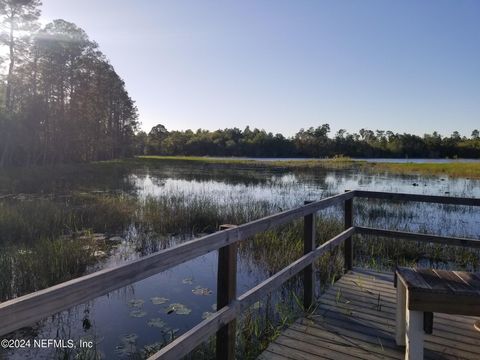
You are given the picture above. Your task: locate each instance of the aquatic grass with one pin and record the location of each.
(48, 262)
(24, 221)
(452, 169)
(327, 163)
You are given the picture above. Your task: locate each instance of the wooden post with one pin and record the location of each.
(348, 209)
(226, 293)
(308, 246)
(401, 313)
(414, 334)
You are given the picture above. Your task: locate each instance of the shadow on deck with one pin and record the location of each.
(355, 319)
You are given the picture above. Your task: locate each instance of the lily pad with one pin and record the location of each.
(130, 338)
(156, 322)
(127, 346)
(202, 291)
(188, 281)
(214, 307)
(136, 303)
(179, 309)
(158, 300)
(138, 313)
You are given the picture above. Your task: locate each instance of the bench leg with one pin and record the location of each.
(414, 335)
(400, 318)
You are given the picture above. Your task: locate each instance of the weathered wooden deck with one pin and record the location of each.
(355, 319)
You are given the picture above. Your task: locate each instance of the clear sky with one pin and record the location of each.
(409, 65)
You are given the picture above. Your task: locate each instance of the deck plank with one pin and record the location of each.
(355, 318)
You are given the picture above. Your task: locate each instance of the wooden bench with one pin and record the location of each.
(422, 292)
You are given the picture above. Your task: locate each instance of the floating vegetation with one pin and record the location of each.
(168, 335)
(151, 349)
(138, 313)
(187, 281)
(127, 346)
(206, 315)
(156, 322)
(179, 309)
(214, 307)
(156, 300)
(202, 291)
(136, 303)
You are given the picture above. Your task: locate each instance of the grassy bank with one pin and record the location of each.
(451, 169)
(283, 164)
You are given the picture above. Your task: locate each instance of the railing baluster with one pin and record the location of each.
(348, 251)
(226, 293)
(308, 246)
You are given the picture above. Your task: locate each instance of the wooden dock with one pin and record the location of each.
(355, 319)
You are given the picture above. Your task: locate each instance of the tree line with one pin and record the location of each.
(313, 142)
(61, 99)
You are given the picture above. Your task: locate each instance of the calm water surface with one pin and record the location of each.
(130, 318)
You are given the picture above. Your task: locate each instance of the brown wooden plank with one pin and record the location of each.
(434, 199)
(394, 234)
(358, 348)
(435, 283)
(308, 246)
(442, 327)
(374, 325)
(296, 354)
(316, 346)
(443, 322)
(413, 280)
(469, 278)
(267, 355)
(226, 294)
(455, 283)
(372, 334)
(348, 222)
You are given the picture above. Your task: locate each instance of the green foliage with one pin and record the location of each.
(64, 102)
(312, 142)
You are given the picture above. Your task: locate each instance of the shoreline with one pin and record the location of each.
(454, 168)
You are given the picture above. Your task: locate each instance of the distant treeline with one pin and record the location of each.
(313, 142)
(61, 100)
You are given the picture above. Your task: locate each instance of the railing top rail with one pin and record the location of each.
(25, 310)
(448, 200)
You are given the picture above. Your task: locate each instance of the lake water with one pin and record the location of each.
(150, 312)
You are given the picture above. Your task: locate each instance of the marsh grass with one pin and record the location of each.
(47, 262)
(332, 163)
(452, 169)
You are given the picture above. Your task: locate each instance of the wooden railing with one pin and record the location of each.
(25, 310)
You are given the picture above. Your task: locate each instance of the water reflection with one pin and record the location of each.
(147, 313)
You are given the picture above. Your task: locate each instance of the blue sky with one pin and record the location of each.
(409, 65)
